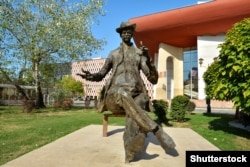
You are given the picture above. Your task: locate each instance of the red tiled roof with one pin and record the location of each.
(180, 27)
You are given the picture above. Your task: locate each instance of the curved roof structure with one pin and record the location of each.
(180, 27)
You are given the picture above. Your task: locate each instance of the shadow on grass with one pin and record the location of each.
(168, 124)
(221, 123)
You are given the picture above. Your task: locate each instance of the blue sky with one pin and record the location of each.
(123, 10)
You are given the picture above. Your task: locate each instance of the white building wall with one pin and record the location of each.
(207, 49)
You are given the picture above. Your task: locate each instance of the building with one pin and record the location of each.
(9, 94)
(62, 69)
(92, 89)
(184, 41)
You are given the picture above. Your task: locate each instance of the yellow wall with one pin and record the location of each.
(166, 51)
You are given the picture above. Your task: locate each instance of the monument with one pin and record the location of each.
(125, 92)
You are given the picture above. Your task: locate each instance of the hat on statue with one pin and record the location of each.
(125, 25)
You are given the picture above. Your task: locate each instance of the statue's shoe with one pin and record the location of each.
(165, 140)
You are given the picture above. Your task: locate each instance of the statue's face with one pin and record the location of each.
(126, 35)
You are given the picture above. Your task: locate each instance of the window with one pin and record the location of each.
(190, 73)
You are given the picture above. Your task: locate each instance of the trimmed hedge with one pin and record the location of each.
(191, 106)
(179, 107)
(161, 110)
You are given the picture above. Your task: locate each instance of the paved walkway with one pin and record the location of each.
(239, 125)
(87, 148)
(231, 111)
(216, 110)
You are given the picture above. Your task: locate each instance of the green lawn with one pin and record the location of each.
(215, 128)
(23, 132)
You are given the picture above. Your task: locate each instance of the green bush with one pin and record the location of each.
(161, 110)
(191, 106)
(179, 107)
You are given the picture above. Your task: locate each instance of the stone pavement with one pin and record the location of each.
(87, 148)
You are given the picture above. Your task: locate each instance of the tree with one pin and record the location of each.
(210, 78)
(35, 32)
(231, 72)
(69, 84)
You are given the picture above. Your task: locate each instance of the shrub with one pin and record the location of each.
(28, 105)
(67, 104)
(191, 106)
(64, 104)
(160, 110)
(179, 107)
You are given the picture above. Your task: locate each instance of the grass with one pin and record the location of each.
(215, 128)
(22, 132)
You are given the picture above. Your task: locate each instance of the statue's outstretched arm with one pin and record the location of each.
(99, 75)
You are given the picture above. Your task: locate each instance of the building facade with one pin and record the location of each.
(184, 42)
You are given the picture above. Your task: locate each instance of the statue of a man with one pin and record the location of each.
(125, 92)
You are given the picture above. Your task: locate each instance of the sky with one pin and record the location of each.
(118, 11)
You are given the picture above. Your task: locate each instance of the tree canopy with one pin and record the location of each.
(229, 75)
(69, 84)
(48, 30)
(210, 78)
(35, 32)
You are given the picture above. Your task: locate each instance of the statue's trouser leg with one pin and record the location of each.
(137, 123)
(120, 99)
(133, 139)
(135, 111)
(143, 120)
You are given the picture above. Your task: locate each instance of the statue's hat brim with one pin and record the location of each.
(125, 25)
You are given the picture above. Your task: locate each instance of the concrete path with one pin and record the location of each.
(239, 125)
(87, 148)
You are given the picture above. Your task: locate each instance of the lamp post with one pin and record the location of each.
(207, 98)
(201, 61)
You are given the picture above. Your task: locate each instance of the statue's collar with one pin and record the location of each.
(126, 45)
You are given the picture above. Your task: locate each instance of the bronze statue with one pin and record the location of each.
(125, 92)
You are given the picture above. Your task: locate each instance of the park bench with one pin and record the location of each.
(105, 122)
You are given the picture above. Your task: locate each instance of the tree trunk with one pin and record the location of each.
(237, 113)
(39, 98)
(20, 90)
(39, 94)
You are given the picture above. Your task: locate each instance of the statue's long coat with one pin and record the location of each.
(138, 62)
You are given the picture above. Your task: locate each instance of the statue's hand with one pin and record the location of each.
(87, 75)
(144, 50)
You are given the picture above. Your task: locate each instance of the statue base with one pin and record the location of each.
(87, 147)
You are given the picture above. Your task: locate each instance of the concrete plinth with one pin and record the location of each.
(87, 148)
